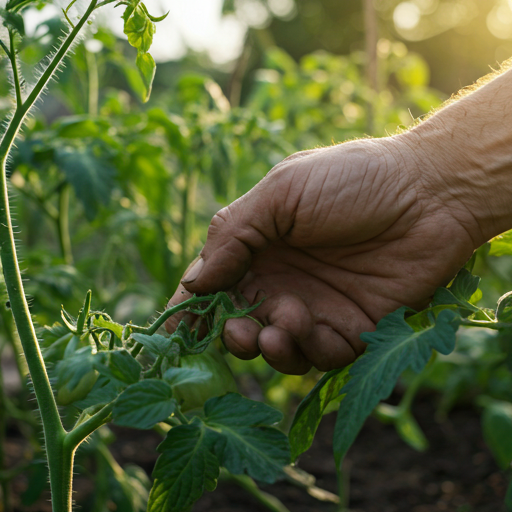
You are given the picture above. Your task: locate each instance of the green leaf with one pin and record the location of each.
(245, 441)
(501, 245)
(139, 30)
(310, 410)
(157, 344)
(504, 308)
(392, 348)
(101, 320)
(119, 365)
(144, 404)
(464, 285)
(497, 431)
(459, 292)
(186, 468)
(147, 68)
(13, 21)
(90, 176)
(80, 127)
(104, 391)
(410, 431)
(175, 376)
(73, 368)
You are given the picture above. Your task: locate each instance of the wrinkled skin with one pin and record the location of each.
(334, 238)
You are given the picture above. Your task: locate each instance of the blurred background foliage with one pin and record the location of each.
(116, 195)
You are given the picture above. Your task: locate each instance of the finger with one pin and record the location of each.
(240, 337)
(281, 351)
(327, 349)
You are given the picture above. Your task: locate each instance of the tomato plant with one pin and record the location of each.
(137, 376)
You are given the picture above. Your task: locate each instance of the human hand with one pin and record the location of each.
(334, 238)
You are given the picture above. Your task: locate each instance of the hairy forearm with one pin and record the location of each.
(465, 150)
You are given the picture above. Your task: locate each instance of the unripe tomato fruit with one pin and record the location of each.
(67, 395)
(192, 395)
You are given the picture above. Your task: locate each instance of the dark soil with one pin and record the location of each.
(456, 474)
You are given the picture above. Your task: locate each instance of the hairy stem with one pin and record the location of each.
(60, 459)
(85, 429)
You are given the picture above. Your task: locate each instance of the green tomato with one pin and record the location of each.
(192, 395)
(67, 395)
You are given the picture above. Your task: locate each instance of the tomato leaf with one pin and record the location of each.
(392, 348)
(497, 431)
(144, 404)
(90, 176)
(310, 410)
(175, 376)
(147, 68)
(501, 245)
(139, 29)
(186, 468)
(459, 292)
(246, 443)
(100, 319)
(119, 365)
(157, 344)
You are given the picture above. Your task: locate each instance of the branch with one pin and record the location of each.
(85, 429)
(14, 65)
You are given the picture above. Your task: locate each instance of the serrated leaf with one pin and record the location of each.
(156, 343)
(144, 404)
(464, 285)
(392, 348)
(99, 320)
(90, 176)
(147, 69)
(497, 431)
(139, 29)
(310, 410)
(175, 376)
(245, 443)
(119, 365)
(501, 245)
(186, 468)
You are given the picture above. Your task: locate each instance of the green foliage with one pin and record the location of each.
(392, 348)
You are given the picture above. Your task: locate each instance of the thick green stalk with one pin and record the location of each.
(60, 459)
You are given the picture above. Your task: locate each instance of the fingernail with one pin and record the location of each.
(193, 272)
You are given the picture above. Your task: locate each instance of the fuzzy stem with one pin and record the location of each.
(85, 429)
(60, 459)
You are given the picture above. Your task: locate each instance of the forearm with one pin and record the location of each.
(466, 150)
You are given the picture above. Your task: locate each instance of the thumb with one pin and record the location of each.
(244, 228)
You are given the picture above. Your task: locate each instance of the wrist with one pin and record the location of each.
(464, 157)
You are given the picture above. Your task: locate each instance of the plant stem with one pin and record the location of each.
(60, 459)
(247, 483)
(92, 72)
(14, 64)
(85, 429)
(63, 224)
